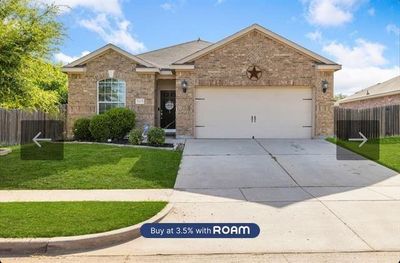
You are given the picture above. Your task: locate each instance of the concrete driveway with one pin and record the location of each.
(303, 199)
(276, 170)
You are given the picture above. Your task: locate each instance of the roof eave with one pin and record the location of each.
(371, 96)
(101, 50)
(328, 67)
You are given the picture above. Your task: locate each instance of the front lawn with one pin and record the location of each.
(92, 166)
(389, 150)
(56, 219)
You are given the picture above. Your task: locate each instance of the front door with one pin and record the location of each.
(167, 109)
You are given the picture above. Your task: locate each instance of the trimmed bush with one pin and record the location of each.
(156, 136)
(100, 127)
(135, 136)
(122, 121)
(81, 130)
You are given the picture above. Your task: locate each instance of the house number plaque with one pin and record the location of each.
(139, 101)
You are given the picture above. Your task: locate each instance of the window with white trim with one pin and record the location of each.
(111, 94)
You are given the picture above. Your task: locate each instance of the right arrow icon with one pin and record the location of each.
(363, 139)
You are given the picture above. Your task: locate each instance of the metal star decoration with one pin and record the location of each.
(254, 73)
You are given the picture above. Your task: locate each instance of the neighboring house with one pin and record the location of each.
(253, 83)
(381, 94)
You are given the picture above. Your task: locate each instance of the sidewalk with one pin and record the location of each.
(85, 195)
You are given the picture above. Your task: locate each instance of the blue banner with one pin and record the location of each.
(200, 230)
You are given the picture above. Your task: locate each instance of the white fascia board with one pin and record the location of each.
(182, 67)
(333, 67)
(73, 70)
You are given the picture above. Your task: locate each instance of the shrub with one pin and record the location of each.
(135, 136)
(123, 120)
(156, 136)
(81, 130)
(100, 127)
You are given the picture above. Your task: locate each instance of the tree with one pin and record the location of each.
(340, 96)
(29, 34)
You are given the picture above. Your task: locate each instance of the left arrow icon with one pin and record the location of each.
(36, 139)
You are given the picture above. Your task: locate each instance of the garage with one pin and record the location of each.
(260, 112)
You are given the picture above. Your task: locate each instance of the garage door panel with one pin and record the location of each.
(279, 112)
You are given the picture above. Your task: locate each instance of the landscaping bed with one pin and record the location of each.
(5, 151)
(389, 150)
(92, 166)
(57, 219)
(143, 144)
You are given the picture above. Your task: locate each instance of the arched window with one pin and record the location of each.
(111, 94)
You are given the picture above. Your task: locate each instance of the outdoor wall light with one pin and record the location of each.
(324, 86)
(184, 85)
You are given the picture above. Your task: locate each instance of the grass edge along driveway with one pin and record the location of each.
(389, 150)
(57, 219)
(92, 166)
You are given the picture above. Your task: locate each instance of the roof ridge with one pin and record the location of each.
(159, 49)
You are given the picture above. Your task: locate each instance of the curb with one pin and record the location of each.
(65, 245)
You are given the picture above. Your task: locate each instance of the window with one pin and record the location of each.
(111, 94)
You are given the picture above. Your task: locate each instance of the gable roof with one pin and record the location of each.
(198, 54)
(180, 55)
(164, 57)
(105, 48)
(389, 87)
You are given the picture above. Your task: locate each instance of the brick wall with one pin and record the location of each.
(185, 104)
(281, 66)
(82, 96)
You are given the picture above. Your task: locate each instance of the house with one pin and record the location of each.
(254, 83)
(381, 94)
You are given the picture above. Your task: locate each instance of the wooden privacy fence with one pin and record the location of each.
(387, 120)
(10, 122)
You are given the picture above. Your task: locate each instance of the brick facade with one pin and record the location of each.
(82, 93)
(281, 66)
(372, 102)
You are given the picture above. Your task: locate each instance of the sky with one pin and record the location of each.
(362, 35)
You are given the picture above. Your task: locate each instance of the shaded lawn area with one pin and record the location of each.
(56, 219)
(92, 166)
(389, 150)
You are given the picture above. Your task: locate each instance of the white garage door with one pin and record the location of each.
(259, 112)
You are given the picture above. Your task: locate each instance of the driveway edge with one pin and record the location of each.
(64, 245)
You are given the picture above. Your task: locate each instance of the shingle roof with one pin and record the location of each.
(166, 56)
(381, 89)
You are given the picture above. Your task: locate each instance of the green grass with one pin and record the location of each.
(389, 153)
(56, 219)
(92, 166)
